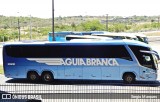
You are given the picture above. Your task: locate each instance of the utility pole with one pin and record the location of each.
(53, 38)
(30, 27)
(19, 31)
(106, 22)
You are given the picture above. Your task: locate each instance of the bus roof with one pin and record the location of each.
(109, 42)
(61, 32)
(86, 37)
(99, 32)
(117, 34)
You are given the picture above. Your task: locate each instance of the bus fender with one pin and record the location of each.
(134, 73)
(46, 70)
(32, 70)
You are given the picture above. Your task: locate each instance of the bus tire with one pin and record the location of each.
(129, 78)
(33, 76)
(47, 77)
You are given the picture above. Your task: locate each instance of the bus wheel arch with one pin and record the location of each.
(47, 76)
(33, 76)
(129, 77)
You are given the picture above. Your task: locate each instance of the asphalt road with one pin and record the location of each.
(57, 88)
(60, 89)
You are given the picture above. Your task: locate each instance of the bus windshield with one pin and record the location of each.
(149, 60)
(151, 57)
(145, 56)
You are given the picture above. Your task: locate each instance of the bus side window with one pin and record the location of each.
(93, 51)
(82, 51)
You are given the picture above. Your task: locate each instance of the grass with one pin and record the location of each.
(1, 69)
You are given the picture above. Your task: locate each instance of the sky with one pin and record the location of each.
(43, 8)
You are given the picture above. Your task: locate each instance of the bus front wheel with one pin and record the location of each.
(47, 77)
(33, 76)
(128, 78)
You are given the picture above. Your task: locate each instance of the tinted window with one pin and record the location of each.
(141, 56)
(83, 33)
(66, 51)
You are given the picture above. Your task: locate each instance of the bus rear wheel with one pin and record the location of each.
(33, 76)
(47, 77)
(128, 78)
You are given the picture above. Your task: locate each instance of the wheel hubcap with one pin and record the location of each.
(33, 77)
(47, 77)
(129, 79)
